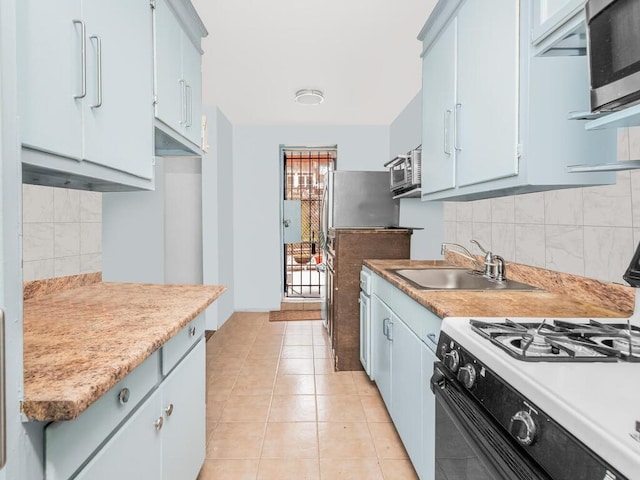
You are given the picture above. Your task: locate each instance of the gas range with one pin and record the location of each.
(565, 386)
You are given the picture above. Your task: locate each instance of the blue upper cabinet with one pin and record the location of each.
(86, 121)
(178, 78)
(558, 28)
(495, 116)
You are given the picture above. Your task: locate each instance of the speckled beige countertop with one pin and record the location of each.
(81, 341)
(561, 295)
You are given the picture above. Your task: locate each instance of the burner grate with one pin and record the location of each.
(563, 341)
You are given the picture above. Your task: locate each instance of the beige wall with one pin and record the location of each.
(62, 232)
(585, 231)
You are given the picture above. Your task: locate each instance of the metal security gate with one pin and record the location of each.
(304, 182)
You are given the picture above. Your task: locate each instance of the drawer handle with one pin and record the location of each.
(432, 337)
(169, 410)
(192, 331)
(123, 396)
(158, 423)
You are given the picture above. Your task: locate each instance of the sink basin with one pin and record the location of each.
(456, 279)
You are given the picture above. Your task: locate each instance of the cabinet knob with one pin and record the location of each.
(123, 396)
(169, 410)
(158, 423)
(192, 331)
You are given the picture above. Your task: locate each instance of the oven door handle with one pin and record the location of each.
(438, 379)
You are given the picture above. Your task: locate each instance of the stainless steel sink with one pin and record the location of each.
(456, 279)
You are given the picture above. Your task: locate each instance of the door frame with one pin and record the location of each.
(281, 189)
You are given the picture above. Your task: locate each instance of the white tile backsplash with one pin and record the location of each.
(529, 245)
(609, 205)
(66, 239)
(66, 205)
(564, 248)
(37, 241)
(529, 208)
(481, 211)
(590, 231)
(61, 232)
(564, 207)
(503, 210)
(606, 252)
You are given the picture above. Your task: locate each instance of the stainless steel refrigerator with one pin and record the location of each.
(358, 200)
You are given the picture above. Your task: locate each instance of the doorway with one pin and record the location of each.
(303, 189)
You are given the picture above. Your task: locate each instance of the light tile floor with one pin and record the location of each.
(277, 410)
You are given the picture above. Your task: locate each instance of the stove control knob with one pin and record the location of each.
(467, 375)
(523, 427)
(452, 360)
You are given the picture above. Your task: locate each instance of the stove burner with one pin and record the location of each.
(564, 341)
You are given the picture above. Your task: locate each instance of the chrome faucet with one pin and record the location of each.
(494, 266)
(488, 259)
(462, 251)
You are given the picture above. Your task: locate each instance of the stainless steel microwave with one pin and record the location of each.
(405, 172)
(613, 28)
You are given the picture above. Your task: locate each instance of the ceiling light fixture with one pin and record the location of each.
(307, 96)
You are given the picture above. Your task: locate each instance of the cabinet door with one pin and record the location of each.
(192, 73)
(406, 386)
(170, 90)
(381, 320)
(50, 74)
(438, 111)
(428, 414)
(365, 337)
(134, 451)
(118, 109)
(487, 98)
(184, 400)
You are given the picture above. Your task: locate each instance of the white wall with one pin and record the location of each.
(183, 220)
(405, 133)
(257, 196)
(217, 215)
(590, 231)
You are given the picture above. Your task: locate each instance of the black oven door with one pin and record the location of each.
(469, 444)
(614, 53)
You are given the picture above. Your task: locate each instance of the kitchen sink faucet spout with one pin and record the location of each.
(462, 251)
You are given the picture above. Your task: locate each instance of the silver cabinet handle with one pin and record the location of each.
(192, 331)
(183, 99)
(189, 121)
(169, 410)
(432, 337)
(124, 395)
(447, 120)
(98, 104)
(390, 331)
(83, 59)
(158, 423)
(385, 327)
(456, 118)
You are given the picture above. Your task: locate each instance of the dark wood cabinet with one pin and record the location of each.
(347, 248)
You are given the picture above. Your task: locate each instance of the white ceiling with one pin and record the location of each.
(363, 54)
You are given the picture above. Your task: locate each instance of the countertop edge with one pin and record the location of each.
(459, 303)
(68, 408)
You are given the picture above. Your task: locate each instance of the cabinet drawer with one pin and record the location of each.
(69, 444)
(178, 346)
(424, 323)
